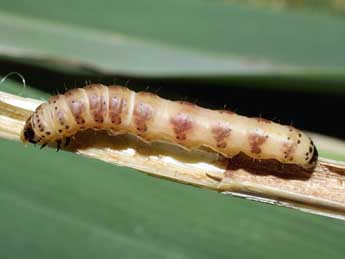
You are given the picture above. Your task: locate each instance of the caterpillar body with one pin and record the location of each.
(119, 110)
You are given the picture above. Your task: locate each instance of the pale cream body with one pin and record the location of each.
(120, 110)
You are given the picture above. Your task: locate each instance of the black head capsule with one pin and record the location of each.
(28, 134)
(310, 165)
(314, 158)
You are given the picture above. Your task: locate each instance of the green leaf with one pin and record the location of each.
(58, 205)
(189, 39)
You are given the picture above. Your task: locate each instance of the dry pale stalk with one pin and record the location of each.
(321, 191)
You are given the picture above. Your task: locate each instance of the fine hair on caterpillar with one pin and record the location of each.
(119, 110)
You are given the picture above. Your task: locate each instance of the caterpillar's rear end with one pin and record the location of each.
(119, 110)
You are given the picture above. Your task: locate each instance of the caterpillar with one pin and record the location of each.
(119, 110)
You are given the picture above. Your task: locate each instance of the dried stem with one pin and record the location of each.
(321, 191)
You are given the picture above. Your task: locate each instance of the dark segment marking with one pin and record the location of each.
(53, 99)
(40, 126)
(77, 108)
(61, 118)
(94, 101)
(143, 112)
(255, 141)
(182, 123)
(116, 105)
(220, 132)
(97, 107)
(289, 149)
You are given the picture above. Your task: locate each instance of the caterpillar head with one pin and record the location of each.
(308, 155)
(312, 162)
(28, 134)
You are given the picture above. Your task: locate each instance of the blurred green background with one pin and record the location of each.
(276, 59)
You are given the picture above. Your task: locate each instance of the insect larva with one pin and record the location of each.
(120, 110)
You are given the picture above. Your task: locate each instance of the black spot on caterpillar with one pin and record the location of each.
(120, 110)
